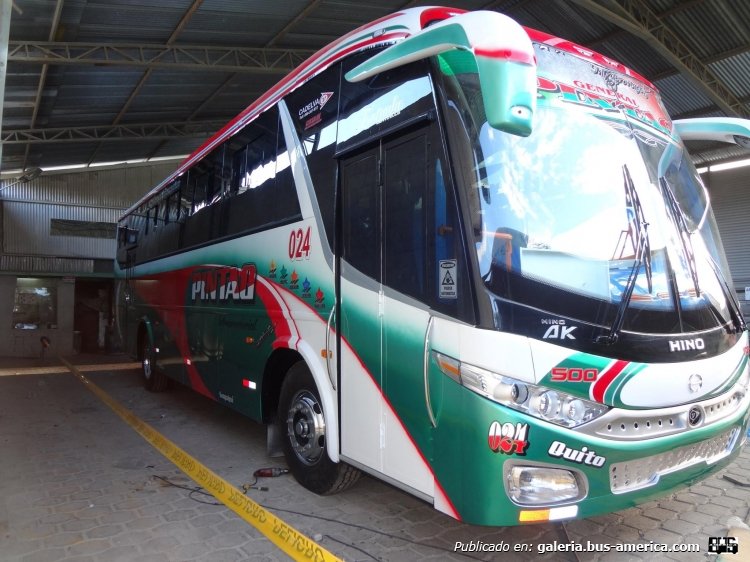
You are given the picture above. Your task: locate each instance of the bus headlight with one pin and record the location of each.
(544, 403)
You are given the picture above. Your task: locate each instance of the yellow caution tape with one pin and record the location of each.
(284, 536)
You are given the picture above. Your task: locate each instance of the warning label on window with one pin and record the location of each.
(447, 279)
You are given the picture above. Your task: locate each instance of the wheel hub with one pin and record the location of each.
(306, 427)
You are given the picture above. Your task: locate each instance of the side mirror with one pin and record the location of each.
(504, 58)
(723, 129)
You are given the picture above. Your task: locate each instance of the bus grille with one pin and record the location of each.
(642, 473)
(633, 425)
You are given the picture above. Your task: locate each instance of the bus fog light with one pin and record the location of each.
(534, 485)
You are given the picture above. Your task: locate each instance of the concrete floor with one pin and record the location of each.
(78, 484)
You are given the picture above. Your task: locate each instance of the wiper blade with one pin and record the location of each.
(734, 308)
(734, 311)
(642, 258)
(687, 245)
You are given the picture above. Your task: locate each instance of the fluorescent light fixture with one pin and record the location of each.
(729, 165)
(702, 170)
(68, 167)
(161, 158)
(101, 164)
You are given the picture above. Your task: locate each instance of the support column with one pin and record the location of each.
(5, 9)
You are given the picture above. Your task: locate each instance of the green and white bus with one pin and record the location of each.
(468, 258)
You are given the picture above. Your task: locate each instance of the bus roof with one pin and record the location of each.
(386, 30)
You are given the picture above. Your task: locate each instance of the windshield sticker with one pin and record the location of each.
(311, 111)
(508, 438)
(447, 279)
(315, 105)
(603, 99)
(560, 450)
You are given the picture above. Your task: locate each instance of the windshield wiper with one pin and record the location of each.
(734, 308)
(734, 311)
(642, 258)
(679, 219)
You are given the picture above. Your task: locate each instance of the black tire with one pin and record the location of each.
(302, 425)
(153, 379)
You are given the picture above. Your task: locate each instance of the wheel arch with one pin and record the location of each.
(278, 365)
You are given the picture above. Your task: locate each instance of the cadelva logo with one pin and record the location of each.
(315, 105)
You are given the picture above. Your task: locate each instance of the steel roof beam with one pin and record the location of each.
(147, 74)
(190, 57)
(152, 131)
(5, 9)
(43, 78)
(638, 18)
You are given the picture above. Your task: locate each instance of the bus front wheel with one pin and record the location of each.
(153, 379)
(302, 423)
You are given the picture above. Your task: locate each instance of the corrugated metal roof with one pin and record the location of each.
(78, 95)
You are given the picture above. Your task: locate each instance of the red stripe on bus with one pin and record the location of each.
(507, 54)
(273, 303)
(600, 386)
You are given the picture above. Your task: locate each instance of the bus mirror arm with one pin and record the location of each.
(504, 58)
(723, 129)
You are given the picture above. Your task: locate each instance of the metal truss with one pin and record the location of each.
(193, 57)
(149, 131)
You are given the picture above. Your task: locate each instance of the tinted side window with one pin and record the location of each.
(262, 192)
(361, 211)
(386, 102)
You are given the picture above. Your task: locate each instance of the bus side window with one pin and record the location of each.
(165, 210)
(199, 180)
(175, 208)
(287, 206)
(361, 212)
(263, 189)
(186, 199)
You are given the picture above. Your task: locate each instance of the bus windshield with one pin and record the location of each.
(600, 202)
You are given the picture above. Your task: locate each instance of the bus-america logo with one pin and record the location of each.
(223, 283)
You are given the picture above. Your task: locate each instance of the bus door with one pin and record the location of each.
(393, 235)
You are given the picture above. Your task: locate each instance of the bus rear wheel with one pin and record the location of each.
(153, 379)
(302, 423)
